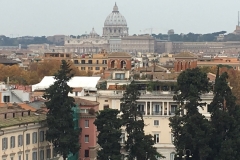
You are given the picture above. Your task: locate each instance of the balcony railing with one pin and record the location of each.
(156, 112)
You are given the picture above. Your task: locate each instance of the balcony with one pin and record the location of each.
(156, 112)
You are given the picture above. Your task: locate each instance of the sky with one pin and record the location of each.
(76, 17)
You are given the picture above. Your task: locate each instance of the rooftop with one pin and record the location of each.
(22, 120)
(84, 102)
(119, 54)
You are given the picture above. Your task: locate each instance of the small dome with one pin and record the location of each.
(93, 33)
(115, 18)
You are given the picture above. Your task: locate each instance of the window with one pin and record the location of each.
(83, 61)
(90, 68)
(75, 61)
(83, 68)
(11, 158)
(34, 155)
(119, 76)
(6, 98)
(76, 93)
(97, 68)
(123, 138)
(48, 154)
(105, 106)
(4, 143)
(86, 138)
(34, 137)
(26, 156)
(41, 154)
(105, 100)
(172, 156)
(27, 138)
(89, 61)
(12, 142)
(156, 138)
(173, 109)
(172, 138)
(86, 153)
(84, 110)
(19, 157)
(20, 140)
(41, 138)
(156, 122)
(86, 123)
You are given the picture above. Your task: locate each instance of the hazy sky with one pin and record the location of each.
(75, 17)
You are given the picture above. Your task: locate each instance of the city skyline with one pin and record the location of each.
(39, 18)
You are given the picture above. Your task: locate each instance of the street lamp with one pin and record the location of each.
(184, 151)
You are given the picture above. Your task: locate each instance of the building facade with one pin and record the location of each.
(22, 133)
(157, 106)
(88, 137)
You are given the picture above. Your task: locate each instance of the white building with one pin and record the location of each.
(157, 107)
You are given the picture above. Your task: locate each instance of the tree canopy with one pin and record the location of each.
(138, 145)
(61, 130)
(109, 128)
(190, 128)
(35, 72)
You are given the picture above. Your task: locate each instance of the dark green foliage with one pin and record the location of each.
(138, 145)
(191, 130)
(60, 123)
(193, 37)
(109, 128)
(225, 121)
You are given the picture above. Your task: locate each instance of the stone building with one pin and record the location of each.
(120, 60)
(141, 43)
(91, 43)
(184, 61)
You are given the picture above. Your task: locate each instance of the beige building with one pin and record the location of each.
(157, 107)
(92, 62)
(22, 133)
(142, 43)
(91, 43)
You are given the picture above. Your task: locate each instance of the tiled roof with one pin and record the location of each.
(151, 68)
(7, 61)
(15, 107)
(119, 54)
(185, 55)
(22, 120)
(84, 102)
(77, 89)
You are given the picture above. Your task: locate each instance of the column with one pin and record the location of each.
(167, 108)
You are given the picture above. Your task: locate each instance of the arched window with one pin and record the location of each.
(172, 156)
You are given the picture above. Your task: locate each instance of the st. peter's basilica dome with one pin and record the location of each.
(115, 24)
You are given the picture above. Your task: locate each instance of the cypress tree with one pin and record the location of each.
(61, 132)
(138, 145)
(191, 130)
(109, 128)
(225, 121)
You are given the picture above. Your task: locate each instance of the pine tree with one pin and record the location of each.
(60, 123)
(191, 130)
(225, 121)
(138, 145)
(109, 128)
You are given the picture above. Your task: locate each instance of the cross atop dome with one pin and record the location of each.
(115, 8)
